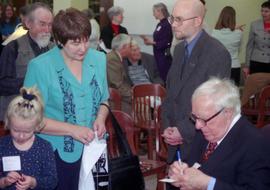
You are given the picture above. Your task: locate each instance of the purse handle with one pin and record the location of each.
(123, 146)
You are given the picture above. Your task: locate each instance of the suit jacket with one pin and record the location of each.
(117, 76)
(258, 46)
(238, 162)
(208, 58)
(149, 65)
(107, 34)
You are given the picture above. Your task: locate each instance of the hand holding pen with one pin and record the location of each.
(178, 153)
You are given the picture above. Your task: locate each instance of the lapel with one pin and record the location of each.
(192, 63)
(177, 66)
(60, 66)
(224, 150)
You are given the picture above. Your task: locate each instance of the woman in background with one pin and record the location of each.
(114, 28)
(162, 39)
(9, 21)
(230, 36)
(258, 46)
(72, 79)
(95, 29)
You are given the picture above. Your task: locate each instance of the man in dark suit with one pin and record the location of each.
(228, 150)
(141, 67)
(195, 59)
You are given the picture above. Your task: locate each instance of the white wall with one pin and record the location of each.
(138, 16)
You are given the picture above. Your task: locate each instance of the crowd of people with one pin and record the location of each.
(54, 81)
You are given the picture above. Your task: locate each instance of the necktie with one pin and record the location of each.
(186, 55)
(209, 150)
(185, 61)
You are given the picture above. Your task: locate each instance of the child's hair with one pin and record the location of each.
(28, 105)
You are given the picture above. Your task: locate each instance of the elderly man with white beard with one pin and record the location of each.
(17, 53)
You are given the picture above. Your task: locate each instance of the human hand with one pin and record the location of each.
(240, 27)
(26, 182)
(99, 127)
(172, 136)
(148, 41)
(246, 71)
(11, 178)
(83, 134)
(176, 171)
(191, 179)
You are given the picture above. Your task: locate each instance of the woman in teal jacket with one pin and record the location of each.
(73, 83)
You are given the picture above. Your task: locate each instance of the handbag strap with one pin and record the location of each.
(123, 146)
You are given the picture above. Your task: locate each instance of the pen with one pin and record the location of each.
(179, 159)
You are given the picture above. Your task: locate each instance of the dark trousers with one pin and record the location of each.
(68, 174)
(259, 67)
(235, 75)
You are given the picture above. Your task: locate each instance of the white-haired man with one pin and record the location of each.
(17, 54)
(117, 76)
(195, 60)
(228, 150)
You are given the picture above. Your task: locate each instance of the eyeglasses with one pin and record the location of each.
(179, 21)
(195, 119)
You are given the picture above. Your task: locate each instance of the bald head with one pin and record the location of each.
(187, 18)
(191, 7)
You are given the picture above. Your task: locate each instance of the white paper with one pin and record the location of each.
(196, 165)
(167, 180)
(91, 154)
(103, 47)
(11, 163)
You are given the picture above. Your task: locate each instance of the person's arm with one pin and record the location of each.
(9, 83)
(99, 124)
(116, 78)
(250, 45)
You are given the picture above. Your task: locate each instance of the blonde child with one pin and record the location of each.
(29, 159)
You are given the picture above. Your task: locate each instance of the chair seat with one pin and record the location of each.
(148, 167)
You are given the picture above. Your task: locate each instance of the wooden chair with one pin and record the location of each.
(263, 107)
(148, 167)
(115, 99)
(3, 131)
(258, 105)
(145, 101)
(161, 146)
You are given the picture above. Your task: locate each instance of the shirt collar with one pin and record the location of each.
(193, 42)
(235, 119)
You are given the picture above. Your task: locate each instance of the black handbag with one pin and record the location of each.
(124, 171)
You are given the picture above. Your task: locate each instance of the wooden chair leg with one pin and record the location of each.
(160, 185)
(150, 145)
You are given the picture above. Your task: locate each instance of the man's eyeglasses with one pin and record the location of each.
(195, 119)
(179, 21)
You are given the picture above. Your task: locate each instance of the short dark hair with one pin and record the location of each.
(70, 24)
(266, 4)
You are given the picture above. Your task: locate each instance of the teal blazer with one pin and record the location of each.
(66, 99)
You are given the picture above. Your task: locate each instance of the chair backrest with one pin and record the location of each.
(145, 100)
(115, 99)
(127, 124)
(161, 146)
(263, 106)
